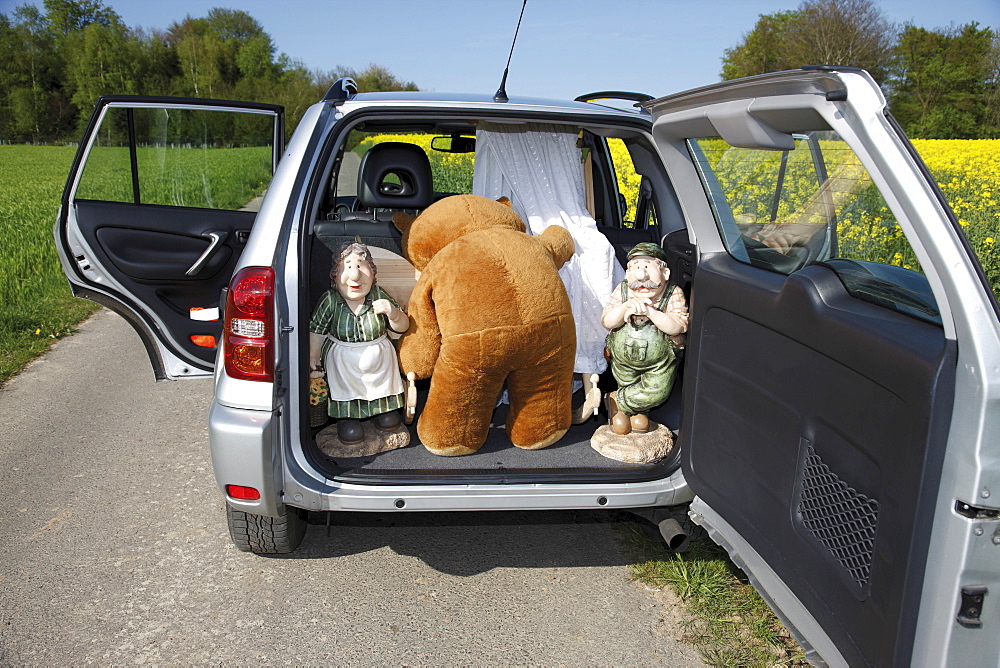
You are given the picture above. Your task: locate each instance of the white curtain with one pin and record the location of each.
(538, 167)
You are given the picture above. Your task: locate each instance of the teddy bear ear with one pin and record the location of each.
(403, 220)
(505, 202)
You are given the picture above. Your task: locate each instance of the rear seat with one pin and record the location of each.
(393, 176)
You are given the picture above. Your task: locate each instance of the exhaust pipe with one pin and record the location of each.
(676, 538)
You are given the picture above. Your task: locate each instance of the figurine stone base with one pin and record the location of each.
(634, 448)
(375, 441)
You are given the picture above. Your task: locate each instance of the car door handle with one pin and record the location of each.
(216, 239)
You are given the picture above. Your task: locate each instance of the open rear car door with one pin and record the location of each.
(159, 204)
(837, 427)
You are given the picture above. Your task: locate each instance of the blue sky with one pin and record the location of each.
(565, 47)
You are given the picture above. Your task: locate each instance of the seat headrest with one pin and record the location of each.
(394, 175)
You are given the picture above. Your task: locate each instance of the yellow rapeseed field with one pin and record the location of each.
(36, 306)
(968, 172)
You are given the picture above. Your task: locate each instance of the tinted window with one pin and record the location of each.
(782, 210)
(183, 157)
(452, 172)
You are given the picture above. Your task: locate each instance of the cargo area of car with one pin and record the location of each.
(571, 459)
(342, 215)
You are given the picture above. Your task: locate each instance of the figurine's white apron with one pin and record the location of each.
(366, 370)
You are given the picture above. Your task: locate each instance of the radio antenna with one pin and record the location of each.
(501, 94)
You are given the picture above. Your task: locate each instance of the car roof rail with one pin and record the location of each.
(342, 90)
(638, 98)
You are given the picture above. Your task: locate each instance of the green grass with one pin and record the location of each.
(732, 625)
(36, 306)
(213, 178)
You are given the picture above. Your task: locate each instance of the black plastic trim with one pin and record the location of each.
(147, 338)
(637, 98)
(563, 476)
(343, 89)
(104, 100)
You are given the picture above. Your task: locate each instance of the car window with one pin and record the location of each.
(634, 195)
(451, 172)
(182, 157)
(783, 210)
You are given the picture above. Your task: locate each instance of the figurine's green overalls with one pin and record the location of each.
(643, 360)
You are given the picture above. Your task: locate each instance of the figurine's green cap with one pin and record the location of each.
(647, 248)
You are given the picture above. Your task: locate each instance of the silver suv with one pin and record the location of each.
(836, 418)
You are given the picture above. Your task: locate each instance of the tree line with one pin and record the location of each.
(56, 61)
(940, 84)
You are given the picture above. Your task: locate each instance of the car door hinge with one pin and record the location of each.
(972, 606)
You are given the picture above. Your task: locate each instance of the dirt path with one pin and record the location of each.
(115, 551)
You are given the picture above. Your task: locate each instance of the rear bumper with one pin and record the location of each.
(244, 447)
(334, 496)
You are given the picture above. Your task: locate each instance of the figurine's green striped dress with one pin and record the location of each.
(333, 318)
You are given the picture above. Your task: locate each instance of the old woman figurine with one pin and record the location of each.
(348, 336)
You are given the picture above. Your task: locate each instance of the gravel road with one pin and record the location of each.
(114, 550)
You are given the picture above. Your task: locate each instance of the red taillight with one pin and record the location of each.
(248, 325)
(241, 492)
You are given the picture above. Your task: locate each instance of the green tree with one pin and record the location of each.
(993, 87)
(29, 77)
(945, 82)
(158, 65)
(66, 17)
(55, 63)
(376, 78)
(844, 32)
(818, 32)
(763, 49)
(104, 60)
(227, 53)
(255, 58)
(198, 57)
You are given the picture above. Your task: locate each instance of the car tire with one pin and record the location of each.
(261, 534)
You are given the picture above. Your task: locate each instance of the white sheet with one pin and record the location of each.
(538, 167)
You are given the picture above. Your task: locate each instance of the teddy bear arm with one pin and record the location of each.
(559, 243)
(420, 345)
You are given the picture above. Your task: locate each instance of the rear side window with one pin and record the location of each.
(214, 159)
(451, 169)
(634, 193)
(783, 210)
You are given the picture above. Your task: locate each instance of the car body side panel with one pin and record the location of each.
(244, 449)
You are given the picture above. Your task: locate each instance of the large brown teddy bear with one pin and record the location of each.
(489, 307)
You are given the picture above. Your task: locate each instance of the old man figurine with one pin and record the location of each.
(647, 316)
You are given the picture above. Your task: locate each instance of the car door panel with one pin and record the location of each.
(153, 256)
(826, 412)
(152, 248)
(157, 209)
(819, 402)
